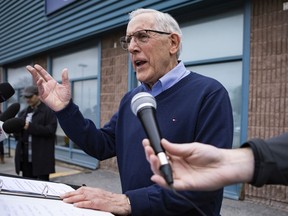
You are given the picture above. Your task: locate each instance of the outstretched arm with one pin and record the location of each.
(270, 160)
(53, 94)
(198, 166)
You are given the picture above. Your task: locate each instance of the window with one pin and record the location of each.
(81, 64)
(218, 36)
(230, 76)
(83, 69)
(213, 46)
(19, 78)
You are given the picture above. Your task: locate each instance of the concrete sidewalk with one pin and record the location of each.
(110, 181)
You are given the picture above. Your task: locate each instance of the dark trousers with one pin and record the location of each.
(2, 153)
(27, 172)
(1, 148)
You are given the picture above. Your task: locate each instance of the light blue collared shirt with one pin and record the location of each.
(168, 80)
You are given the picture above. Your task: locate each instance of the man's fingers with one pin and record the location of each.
(175, 149)
(65, 79)
(33, 72)
(148, 149)
(85, 204)
(67, 194)
(158, 179)
(43, 73)
(155, 164)
(38, 73)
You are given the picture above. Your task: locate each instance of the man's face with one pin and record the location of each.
(152, 59)
(32, 100)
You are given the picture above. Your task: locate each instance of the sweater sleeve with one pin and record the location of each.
(98, 143)
(271, 165)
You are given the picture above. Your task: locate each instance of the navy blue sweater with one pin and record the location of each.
(197, 108)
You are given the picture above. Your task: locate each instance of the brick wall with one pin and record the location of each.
(268, 93)
(114, 81)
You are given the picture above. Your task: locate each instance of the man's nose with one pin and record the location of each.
(133, 45)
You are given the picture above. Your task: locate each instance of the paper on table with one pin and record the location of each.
(33, 186)
(27, 206)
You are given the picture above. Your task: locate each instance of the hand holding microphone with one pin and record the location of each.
(143, 105)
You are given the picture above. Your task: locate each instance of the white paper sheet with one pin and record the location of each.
(33, 186)
(26, 206)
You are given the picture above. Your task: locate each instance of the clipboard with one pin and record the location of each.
(19, 196)
(32, 188)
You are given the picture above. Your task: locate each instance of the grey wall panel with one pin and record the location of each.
(26, 30)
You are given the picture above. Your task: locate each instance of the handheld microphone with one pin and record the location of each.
(10, 112)
(13, 125)
(6, 91)
(143, 105)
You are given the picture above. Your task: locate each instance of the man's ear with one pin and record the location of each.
(175, 43)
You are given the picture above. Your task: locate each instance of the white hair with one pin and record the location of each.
(163, 22)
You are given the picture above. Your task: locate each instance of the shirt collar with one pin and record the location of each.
(168, 80)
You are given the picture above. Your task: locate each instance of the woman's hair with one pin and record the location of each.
(163, 22)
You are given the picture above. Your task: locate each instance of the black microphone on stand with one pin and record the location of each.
(9, 113)
(13, 125)
(143, 105)
(6, 91)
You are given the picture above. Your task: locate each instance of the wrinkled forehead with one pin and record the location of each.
(139, 22)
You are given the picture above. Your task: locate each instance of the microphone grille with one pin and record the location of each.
(13, 125)
(140, 100)
(6, 91)
(10, 112)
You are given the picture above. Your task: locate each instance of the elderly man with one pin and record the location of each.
(190, 107)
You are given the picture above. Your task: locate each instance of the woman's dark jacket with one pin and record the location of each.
(42, 128)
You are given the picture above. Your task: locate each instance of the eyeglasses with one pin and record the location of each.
(28, 97)
(140, 37)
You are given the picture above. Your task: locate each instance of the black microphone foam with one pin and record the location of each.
(6, 91)
(13, 125)
(143, 105)
(10, 112)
